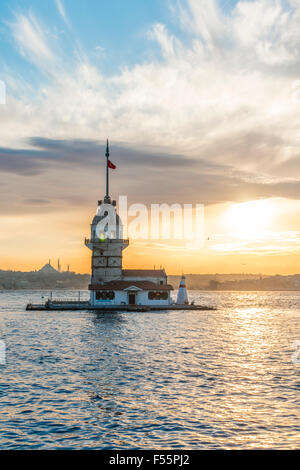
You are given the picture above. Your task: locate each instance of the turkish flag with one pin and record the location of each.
(111, 165)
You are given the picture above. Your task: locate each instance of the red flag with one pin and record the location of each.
(111, 165)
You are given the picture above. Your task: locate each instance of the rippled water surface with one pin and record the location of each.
(222, 379)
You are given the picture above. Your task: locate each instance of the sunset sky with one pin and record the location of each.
(201, 102)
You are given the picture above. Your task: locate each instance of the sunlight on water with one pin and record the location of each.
(221, 379)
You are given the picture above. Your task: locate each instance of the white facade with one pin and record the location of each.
(123, 297)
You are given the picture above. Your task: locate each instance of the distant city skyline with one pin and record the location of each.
(200, 100)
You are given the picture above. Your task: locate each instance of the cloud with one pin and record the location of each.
(54, 175)
(100, 48)
(206, 21)
(62, 11)
(271, 29)
(77, 152)
(32, 41)
(18, 162)
(211, 118)
(38, 202)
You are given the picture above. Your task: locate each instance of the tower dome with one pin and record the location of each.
(107, 223)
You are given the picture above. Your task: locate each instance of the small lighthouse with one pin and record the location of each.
(182, 297)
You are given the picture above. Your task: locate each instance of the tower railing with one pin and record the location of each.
(106, 240)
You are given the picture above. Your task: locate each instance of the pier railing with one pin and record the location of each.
(67, 301)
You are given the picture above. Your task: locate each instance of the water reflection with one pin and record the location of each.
(107, 318)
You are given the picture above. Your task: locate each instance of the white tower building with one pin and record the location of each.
(110, 284)
(106, 240)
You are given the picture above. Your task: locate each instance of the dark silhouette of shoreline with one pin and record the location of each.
(239, 282)
(13, 280)
(50, 278)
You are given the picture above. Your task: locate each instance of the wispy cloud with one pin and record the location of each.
(62, 12)
(32, 40)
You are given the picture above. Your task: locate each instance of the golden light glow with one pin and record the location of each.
(250, 219)
(258, 236)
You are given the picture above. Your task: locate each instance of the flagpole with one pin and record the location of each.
(107, 175)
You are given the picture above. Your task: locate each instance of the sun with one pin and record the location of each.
(249, 219)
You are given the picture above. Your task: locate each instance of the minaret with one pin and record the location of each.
(106, 240)
(182, 297)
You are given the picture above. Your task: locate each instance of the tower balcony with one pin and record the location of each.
(105, 243)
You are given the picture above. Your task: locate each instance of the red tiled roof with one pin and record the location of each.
(122, 285)
(144, 272)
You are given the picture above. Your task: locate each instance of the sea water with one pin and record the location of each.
(224, 379)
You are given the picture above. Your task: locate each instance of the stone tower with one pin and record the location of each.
(106, 240)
